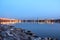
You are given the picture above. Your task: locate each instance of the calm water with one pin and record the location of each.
(42, 30)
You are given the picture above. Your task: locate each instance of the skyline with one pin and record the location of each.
(14, 21)
(30, 9)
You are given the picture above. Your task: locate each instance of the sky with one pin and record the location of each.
(30, 9)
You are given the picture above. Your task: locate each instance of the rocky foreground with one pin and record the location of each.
(12, 33)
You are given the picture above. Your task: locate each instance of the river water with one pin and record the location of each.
(42, 30)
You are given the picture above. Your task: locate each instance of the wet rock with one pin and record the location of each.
(12, 33)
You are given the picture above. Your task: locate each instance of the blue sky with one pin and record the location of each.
(26, 9)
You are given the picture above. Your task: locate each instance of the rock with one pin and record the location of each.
(12, 33)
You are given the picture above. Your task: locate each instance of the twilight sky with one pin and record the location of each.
(25, 9)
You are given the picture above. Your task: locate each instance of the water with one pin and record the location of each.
(42, 30)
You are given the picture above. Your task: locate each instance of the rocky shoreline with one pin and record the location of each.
(12, 33)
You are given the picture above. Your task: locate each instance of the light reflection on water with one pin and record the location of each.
(42, 30)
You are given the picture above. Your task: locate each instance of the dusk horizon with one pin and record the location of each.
(29, 19)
